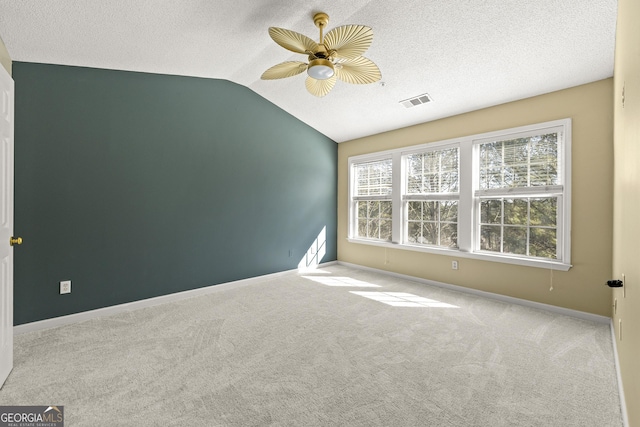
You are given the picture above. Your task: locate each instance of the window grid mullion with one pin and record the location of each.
(397, 185)
(439, 178)
(468, 167)
(366, 198)
(528, 252)
(528, 168)
(439, 223)
(431, 196)
(502, 225)
(502, 169)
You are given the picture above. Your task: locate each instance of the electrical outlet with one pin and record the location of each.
(454, 265)
(65, 287)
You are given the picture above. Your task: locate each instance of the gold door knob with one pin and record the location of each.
(15, 241)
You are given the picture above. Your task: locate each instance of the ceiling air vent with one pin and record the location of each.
(416, 100)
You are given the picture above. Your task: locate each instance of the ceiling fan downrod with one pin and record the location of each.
(321, 20)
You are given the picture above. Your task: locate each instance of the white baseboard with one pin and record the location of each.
(149, 302)
(623, 401)
(559, 310)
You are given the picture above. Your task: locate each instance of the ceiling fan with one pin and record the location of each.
(338, 55)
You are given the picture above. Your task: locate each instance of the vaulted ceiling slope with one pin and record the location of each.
(466, 54)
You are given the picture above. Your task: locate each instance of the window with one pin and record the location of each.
(502, 196)
(431, 197)
(373, 200)
(509, 171)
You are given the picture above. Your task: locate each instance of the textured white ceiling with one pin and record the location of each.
(467, 54)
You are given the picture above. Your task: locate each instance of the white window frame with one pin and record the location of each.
(469, 196)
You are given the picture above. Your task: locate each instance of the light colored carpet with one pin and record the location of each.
(304, 350)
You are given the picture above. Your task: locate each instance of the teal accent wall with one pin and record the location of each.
(135, 185)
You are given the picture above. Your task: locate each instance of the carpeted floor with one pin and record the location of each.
(307, 350)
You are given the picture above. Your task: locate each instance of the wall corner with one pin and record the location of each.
(5, 59)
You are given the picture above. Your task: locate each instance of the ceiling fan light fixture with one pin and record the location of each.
(320, 69)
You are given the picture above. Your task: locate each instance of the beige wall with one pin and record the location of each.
(5, 60)
(626, 236)
(583, 286)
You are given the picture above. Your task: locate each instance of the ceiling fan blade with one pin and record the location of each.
(283, 70)
(320, 88)
(359, 70)
(349, 41)
(290, 40)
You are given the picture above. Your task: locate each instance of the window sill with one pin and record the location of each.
(483, 256)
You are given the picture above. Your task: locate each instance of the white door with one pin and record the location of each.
(6, 225)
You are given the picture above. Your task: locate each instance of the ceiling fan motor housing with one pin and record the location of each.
(320, 69)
